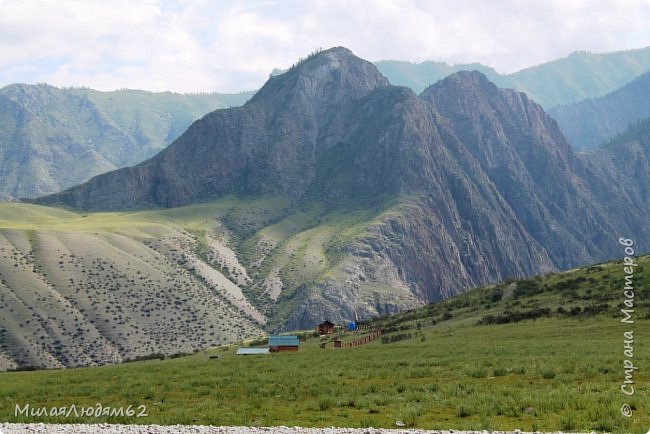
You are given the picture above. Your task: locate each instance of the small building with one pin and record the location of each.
(325, 328)
(251, 351)
(283, 343)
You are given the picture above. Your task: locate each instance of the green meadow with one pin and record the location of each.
(544, 354)
(543, 375)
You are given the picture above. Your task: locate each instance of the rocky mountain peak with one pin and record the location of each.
(498, 124)
(466, 92)
(469, 78)
(324, 79)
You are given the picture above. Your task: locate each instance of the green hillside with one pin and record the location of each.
(154, 119)
(541, 354)
(52, 138)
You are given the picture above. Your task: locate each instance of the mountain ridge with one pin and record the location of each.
(558, 82)
(81, 132)
(464, 217)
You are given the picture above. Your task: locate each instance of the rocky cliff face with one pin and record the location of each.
(485, 184)
(271, 145)
(522, 152)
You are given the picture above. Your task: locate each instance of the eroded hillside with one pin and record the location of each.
(85, 290)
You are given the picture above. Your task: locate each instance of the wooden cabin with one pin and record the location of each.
(325, 328)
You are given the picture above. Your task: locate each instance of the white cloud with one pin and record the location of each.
(224, 45)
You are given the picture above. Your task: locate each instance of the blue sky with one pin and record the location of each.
(229, 46)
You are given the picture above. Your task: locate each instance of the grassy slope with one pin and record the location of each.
(307, 247)
(562, 370)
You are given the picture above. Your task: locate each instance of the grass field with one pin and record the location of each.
(541, 354)
(196, 217)
(544, 375)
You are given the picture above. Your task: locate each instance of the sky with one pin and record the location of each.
(232, 46)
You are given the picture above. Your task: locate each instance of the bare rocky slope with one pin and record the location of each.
(75, 295)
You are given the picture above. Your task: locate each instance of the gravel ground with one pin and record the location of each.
(11, 428)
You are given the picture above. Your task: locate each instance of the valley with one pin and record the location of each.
(331, 194)
(324, 217)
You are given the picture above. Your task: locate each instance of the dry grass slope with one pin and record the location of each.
(79, 290)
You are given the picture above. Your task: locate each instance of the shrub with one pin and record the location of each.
(567, 422)
(548, 374)
(527, 287)
(395, 338)
(510, 316)
(325, 403)
(463, 411)
(575, 311)
(478, 373)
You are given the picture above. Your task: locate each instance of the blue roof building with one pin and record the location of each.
(283, 343)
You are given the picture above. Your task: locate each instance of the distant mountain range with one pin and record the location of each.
(51, 138)
(579, 76)
(593, 122)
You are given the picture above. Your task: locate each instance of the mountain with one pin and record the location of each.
(272, 145)
(393, 199)
(578, 76)
(590, 123)
(51, 138)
